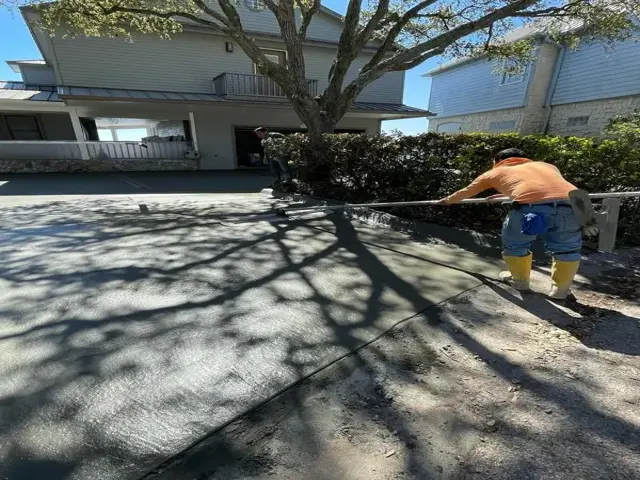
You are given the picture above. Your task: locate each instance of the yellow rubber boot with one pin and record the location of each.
(519, 271)
(562, 274)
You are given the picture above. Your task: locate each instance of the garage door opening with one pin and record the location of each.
(249, 151)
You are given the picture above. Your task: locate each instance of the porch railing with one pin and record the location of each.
(68, 150)
(39, 150)
(241, 84)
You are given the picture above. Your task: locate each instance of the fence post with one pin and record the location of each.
(77, 129)
(609, 227)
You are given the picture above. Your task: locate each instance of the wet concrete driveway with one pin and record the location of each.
(128, 333)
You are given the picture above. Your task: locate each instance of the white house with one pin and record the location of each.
(563, 92)
(197, 92)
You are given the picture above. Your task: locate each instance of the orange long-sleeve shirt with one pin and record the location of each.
(520, 179)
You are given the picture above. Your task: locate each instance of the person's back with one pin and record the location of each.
(274, 146)
(520, 179)
(541, 208)
(526, 181)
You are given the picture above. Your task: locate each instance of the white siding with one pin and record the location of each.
(323, 27)
(387, 89)
(473, 87)
(187, 63)
(38, 75)
(593, 72)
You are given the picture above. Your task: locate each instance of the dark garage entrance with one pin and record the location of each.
(249, 153)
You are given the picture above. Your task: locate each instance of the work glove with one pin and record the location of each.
(591, 230)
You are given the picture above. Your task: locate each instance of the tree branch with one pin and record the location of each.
(366, 33)
(489, 37)
(227, 8)
(455, 34)
(307, 16)
(564, 10)
(411, 57)
(393, 33)
(345, 54)
(142, 11)
(295, 82)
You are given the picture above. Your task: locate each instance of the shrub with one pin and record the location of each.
(624, 127)
(361, 168)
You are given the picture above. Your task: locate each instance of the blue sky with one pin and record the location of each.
(17, 44)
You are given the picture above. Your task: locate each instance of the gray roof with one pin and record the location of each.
(150, 95)
(123, 94)
(391, 107)
(539, 28)
(19, 91)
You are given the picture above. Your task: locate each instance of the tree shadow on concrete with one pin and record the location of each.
(417, 464)
(128, 338)
(595, 327)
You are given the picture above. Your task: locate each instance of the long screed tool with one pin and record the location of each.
(284, 212)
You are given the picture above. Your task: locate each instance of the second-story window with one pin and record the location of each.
(255, 5)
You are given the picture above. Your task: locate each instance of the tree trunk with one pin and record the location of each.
(318, 162)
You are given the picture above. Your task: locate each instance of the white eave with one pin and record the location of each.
(15, 64)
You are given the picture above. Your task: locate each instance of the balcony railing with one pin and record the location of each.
(67, 150)
(241, 84)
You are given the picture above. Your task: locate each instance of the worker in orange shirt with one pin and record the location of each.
(541, 207)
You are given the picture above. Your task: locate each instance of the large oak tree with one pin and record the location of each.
(403, 33)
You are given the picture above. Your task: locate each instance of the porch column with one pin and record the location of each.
(192, 127)
(77, 129)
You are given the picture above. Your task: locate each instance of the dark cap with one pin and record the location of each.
(508, 153)
(261, 130)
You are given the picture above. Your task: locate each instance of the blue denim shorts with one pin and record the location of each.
(563, 237)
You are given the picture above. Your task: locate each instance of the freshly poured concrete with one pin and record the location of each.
(126, 336)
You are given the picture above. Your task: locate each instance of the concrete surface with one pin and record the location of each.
(132, 326)
(247, 181)
(490, 385)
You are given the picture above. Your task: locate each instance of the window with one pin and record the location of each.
(450, 127)
(578, 121)
(23, 127)
(515, 73)
(111, 129)
(255, 5)
(105, 135)
(502, 126)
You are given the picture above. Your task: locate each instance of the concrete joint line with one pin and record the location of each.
(171, 460)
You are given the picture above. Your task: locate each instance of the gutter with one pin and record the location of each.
(551, 89)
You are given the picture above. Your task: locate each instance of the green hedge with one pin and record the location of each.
(360, 168)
